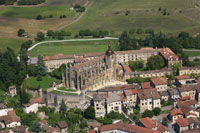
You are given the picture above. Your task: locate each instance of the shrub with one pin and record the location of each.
(148, 113)
(157, 111)
(39, 17)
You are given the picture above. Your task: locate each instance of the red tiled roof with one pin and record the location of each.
(168, 54)
(149, 123)
(158, 81)
(34, 100)
(126, 127)
(176, 111)
(131, 92)
(184, 98)
(92, 131)
(181, 77)
(146, 85)
(190, 102)
(184, 88)
(182, 122)
(127, 68)
(147, 48)
(148, 93)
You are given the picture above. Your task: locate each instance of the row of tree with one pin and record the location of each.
(30, 2)
(93, 33)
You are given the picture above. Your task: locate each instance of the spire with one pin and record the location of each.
(109, 50)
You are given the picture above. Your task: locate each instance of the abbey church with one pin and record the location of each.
(96, 72)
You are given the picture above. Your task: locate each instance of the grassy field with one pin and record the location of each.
(192, 53)
(13, 18)
(73, 47)
(32, 83)
(110, 15)
(15, 44)
(32, 12)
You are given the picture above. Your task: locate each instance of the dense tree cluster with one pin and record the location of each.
(94, 33)
(58, 34)
(30, 2)
(57, 73)
(136, 65)
(79, 8)
(7, 2)
(155, 62)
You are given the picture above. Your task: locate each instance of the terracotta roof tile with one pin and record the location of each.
(181, 77)
(159, 81)
(182, 122)
(146, 85)
(127, 68)
(175, 112)
(126, 127)
(168, 54)
(148, 93)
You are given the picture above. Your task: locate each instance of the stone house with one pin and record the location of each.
(164, 95)
(194, 123)
(189, 70)
(131, 97)
(99, 105)
(121, 127)
(159, 83)
(12, 91)
(33, 105)
(181, 125)
(170, 57)
(184, 79)
(173, 94)
(188, 90)
(152, 124)
(113, 103)
(175, 114)
(62, 125)
(148, 99)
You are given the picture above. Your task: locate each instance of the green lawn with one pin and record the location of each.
(32, 83)
(32, 12)
(58, 92)
(192, 53)
(110, 15)
(73, 47)
(64, 89)
(14, 44)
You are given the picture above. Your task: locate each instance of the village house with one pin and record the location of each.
(62, 125)
(159, 83)
(113, 103)
(131, 97)
(148, 99)
(189, 112)
(20, 129)
(121, 127)
(152, 124)
(10, 119)
(173, 94)
(33, 105)
(188, 90)
(170, 57)
(184, 79)
(164, 95)
(197, 96)
(99, 105)
(181, 125)
(148, 74)
(189, 70)
(175, 114)
(13, 90)
(194, 123)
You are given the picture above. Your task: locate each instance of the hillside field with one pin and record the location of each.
(110, 15)
(73, 47)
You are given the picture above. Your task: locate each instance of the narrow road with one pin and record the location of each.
(76, 19)
(72, 40)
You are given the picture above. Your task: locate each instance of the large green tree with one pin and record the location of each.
(148, 113)
(89, 113)
(41, 66)
(155, 62)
